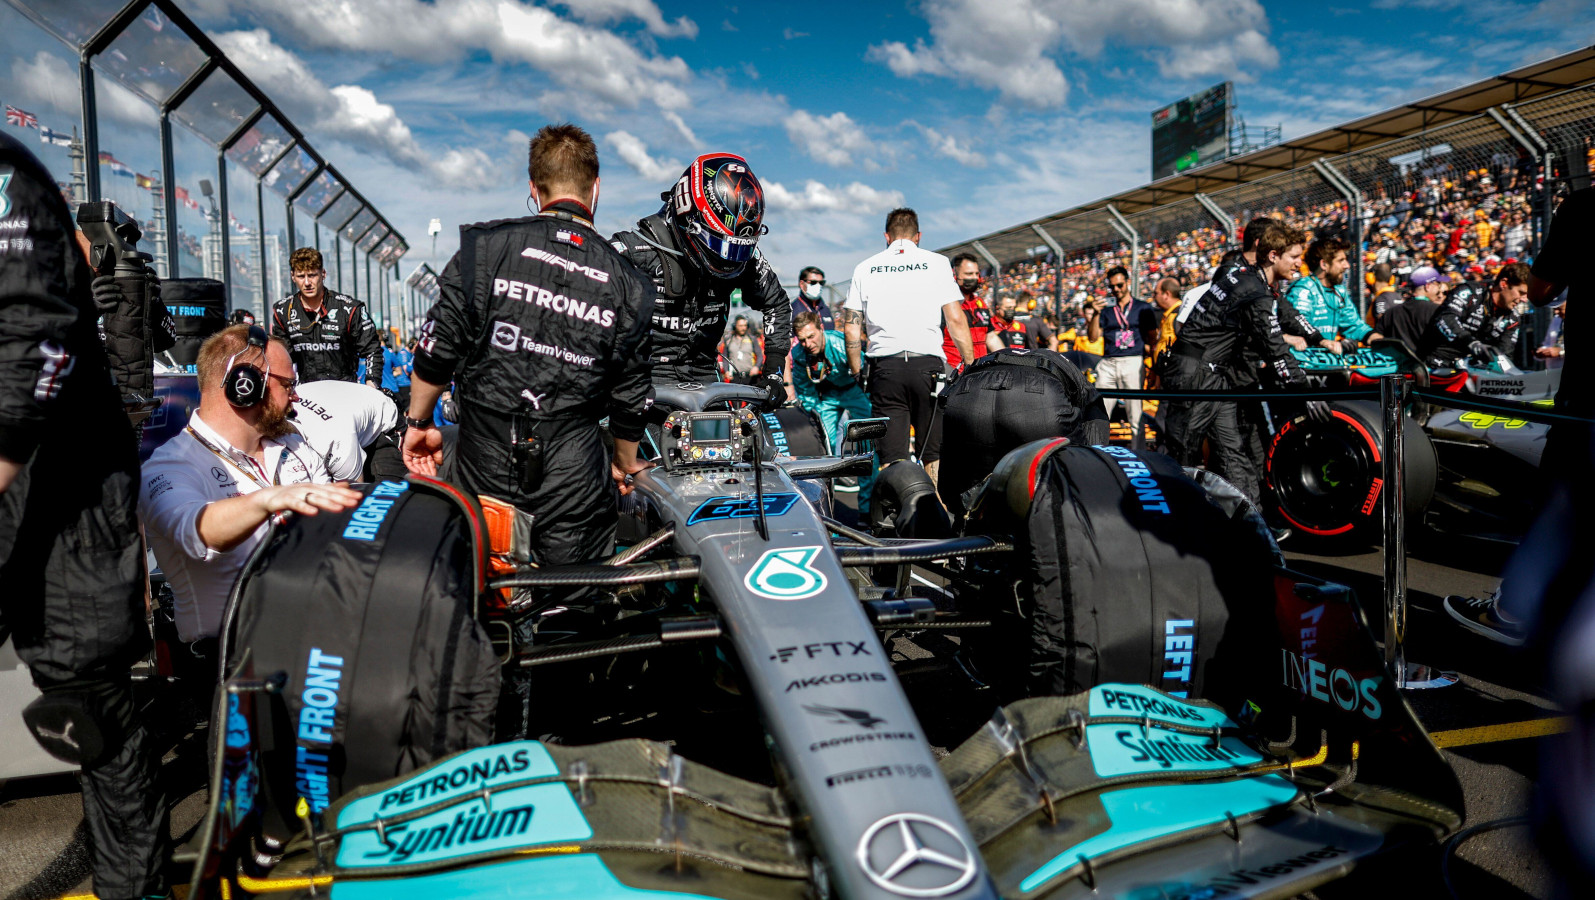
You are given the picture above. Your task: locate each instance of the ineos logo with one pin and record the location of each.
(506, 335)
(915, 855)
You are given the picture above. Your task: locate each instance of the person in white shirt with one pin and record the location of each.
(339, 419)
(207, 494)
(903, 295)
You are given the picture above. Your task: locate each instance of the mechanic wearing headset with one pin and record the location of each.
(208, 492)
(698, 248)
(71, 566)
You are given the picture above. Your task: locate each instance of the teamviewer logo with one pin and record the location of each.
(506, 335)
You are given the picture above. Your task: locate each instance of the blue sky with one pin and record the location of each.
(979, 113)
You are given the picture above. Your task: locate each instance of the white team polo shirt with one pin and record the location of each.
(184, 475)
(339, 419)
(901, 291)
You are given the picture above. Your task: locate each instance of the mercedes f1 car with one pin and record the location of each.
(1255, 758)
(1464, 470)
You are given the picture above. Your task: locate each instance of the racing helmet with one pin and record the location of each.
(718, 207)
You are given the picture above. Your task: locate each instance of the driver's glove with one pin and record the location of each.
(107, 294)
(774, 387)
(1481, 351)
(1318, 411)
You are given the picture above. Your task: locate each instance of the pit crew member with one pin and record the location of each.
(1476, 320)
(698, 248)
(1239, 307)
(1007, 330)
(826, 388)
(328, 333)
(977, 313)
(70, 558)
(340, 420)
(544, 328)
(903, 295)
(208, 492)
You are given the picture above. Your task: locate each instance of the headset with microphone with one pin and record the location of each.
(245, 384)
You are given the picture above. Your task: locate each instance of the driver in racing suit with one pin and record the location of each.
(699, 248)
(71, 563)
(1475, 321)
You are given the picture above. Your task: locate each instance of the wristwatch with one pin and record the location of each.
(417, 423)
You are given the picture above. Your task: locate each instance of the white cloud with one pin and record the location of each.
(949, 146)
(348, 112)
(1008, 46)
(633, 152)
(675, 119)
(855, 198)
(834, 139)
(52, 80)
(598, 65)
(602, 12)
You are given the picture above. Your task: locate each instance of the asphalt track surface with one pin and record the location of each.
(42, 851)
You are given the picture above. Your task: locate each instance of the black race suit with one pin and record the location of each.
(1467, 315)
(330, 345)
(1251, 415)
(71, 564)
(690, 316)
(544, 329)
(1238, 309)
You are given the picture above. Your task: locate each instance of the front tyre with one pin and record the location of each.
(1327, 478)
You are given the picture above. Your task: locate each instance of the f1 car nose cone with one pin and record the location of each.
(915, 855)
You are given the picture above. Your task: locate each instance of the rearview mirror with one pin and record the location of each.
(865, 430)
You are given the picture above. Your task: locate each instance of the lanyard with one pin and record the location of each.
(1118, 313)
(261, 480)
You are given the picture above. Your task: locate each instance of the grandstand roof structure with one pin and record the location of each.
(1541, 79)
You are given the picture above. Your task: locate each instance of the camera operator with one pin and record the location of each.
(328, 333)
(698, 248)
(71, 563)
(1477, 321)
(1238, 308)
(545, 328)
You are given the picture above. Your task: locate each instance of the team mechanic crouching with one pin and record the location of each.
(698, 249)
(329, 334)
(1477, 321)
(544, 328)
(825, 387)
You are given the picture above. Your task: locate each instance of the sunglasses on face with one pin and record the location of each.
(812, 281)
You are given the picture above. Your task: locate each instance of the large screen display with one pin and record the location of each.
(1192, 132)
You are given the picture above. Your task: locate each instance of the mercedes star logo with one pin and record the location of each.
(916, 856)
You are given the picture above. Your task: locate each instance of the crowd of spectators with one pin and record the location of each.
(1466, 223)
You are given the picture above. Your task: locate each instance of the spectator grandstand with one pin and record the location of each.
(1457, 182)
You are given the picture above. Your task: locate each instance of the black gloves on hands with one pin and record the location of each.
(1481, 351)
(1318, 411)
(774, 389)
(107, 294)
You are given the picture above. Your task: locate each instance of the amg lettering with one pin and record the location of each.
(542, 255)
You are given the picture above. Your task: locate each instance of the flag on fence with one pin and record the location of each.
(143, 181)
(58, 138)
(20, 117)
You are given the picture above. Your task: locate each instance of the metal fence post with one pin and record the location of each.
(1225, 220)
(1340, 183)
(1393, 394)
(1127, 231)
(1057, 267)
(996, 267)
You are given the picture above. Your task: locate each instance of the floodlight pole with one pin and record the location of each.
(1225, 220)
(1128, 232)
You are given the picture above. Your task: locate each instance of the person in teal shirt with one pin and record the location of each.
(1322, 297)
(825, 386)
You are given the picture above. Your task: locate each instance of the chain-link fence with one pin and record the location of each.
(1466, 197)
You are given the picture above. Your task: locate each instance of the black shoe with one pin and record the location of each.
(1480, 616)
